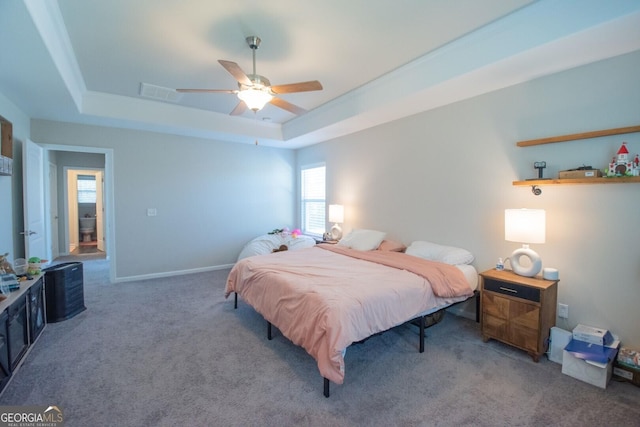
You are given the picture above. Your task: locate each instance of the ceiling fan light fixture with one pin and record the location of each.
(255, 90)
(255, 98)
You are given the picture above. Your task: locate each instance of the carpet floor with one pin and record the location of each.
(173, 351)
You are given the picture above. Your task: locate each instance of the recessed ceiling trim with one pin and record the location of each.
(48, 20)
(527, 31)
(143, 114)
(546, 36)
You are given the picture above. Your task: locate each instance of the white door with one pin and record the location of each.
(33, 200)
(72, 210)
(100, 210)
(53, 210)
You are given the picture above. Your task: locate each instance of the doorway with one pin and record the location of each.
(83, 159)
(84, 207)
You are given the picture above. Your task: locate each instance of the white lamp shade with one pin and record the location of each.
(336, 213)
(525, 225)
(255, 98)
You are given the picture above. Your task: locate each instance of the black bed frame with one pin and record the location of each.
(418, 321)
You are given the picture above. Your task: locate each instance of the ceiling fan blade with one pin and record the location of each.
(281, 103)
(235, 70)
(240, 108)
(297, 87)
(206, 90)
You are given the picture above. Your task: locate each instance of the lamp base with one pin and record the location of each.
(534, 258)
(336, 232)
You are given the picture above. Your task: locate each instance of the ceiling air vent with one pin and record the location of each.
(160, 93)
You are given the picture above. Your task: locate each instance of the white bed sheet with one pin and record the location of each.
(266, 243)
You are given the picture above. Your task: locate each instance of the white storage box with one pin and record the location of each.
(559, 340)
(594, 373)
(592, 335)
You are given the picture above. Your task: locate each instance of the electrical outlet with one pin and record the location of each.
(563, 311)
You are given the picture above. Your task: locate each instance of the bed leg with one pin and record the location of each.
(235, 300)
(326, 388)
(477, 306)
(269, 331)
(422, 320)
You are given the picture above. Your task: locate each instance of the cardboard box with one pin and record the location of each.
(626, 373)
(577, 365)
(629, 357)
(584, 173)
(592, 335)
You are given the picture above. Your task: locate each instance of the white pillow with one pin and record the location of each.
(363, 240)
(435, 252)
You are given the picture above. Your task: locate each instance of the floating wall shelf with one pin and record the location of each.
(534, 183)
(612, 180)
(576, 136)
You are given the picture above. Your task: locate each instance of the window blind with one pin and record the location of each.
(312, 185)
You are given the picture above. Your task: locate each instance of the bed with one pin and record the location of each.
(267, 243)
(327, 297)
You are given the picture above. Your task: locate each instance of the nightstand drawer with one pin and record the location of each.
(519, 291)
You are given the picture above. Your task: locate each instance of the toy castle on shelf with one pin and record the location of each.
(621, 165)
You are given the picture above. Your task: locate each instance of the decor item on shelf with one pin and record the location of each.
(540, 166)
(336, 215)
(5, 265)
(580, 172)
(621, 165)
(525, 226)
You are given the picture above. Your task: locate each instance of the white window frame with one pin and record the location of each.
(313, 206)
(86, 195)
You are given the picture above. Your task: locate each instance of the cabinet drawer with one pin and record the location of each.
(512, 289)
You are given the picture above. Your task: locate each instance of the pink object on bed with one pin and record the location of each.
(324, 301)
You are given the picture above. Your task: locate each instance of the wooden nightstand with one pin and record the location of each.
(517, 310)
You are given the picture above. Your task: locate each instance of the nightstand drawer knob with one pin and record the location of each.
(508, 290)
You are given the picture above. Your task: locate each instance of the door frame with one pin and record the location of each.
(109, 198)
(71, 234)
(51, 210)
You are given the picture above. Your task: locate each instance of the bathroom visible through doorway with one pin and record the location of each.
(85, 211)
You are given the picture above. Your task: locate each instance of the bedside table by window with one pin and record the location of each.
(517, 310)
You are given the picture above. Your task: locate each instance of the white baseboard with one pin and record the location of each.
(171, 273)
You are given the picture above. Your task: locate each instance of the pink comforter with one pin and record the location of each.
(324, 301)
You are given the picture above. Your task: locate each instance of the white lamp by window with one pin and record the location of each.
(336, 215)
(525, 226)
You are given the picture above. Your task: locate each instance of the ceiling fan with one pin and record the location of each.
(255, 90)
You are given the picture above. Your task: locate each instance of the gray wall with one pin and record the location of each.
(11, 186)
(211, 197)
(446, 176)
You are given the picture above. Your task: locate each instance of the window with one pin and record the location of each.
(86, 189)
(312, 197)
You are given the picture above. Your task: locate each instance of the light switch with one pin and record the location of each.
(152, 212)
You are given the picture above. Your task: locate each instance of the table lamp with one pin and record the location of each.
(336, 215)
(525, 226)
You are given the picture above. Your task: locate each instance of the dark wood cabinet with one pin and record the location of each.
(22, 320)
(37, 313)
(5, 367)
(18, 330)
